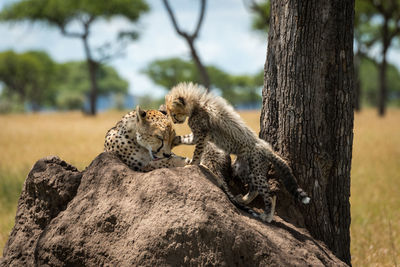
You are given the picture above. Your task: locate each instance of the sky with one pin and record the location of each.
(226, 40)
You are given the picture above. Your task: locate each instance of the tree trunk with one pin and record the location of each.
(200, 67)
(357, 82)
(190, 38)
(382, 85)
(307, 112)
(92, 68)
(382, 68)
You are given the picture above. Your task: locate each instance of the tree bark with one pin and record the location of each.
(92, 68)
(202, 70)
(382, 69)
(357, 82)
(382, 86)
(307, 112)
(190, 38)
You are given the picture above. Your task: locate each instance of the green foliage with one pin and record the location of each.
(28, 77)
(10, 104)
(369, 82)
(244, 90)
(70, 100)
(119, 101)
(149, 102)
(371, 20)
(73, 83)
(60, 12)
(33, 78)
(83, 13)
(237, 89)
(261, 11)
(168, 72)
(368, 22)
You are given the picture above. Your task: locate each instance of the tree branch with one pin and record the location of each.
(70, 34)
(378, 5)
(200, 21)
(172, 16)
(190, 38)
(106, 52)
(86, 25)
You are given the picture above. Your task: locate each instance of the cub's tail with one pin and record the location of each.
(285, 174)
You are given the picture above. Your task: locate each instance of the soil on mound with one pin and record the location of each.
(110, 215)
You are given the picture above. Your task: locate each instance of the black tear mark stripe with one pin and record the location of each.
(162, 144)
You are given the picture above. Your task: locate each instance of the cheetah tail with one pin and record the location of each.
(225, 188)
(286, 176)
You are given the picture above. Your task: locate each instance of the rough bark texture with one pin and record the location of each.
(307, 110)
(110, 215)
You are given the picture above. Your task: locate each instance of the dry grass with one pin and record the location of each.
(375, 191)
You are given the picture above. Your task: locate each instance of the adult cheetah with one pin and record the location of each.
(143, 140)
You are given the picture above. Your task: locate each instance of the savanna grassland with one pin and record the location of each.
(375, 181)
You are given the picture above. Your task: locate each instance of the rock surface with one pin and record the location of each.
(109, 215)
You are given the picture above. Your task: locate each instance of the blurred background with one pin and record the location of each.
(70, 69)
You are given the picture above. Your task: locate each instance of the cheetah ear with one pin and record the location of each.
(180, 101)
(163, 109)
(140, 114)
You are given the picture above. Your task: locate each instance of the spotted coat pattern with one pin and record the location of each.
(212, 119)
(143, 140)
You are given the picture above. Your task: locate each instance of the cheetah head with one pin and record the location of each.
(176, 108)
(155, 132)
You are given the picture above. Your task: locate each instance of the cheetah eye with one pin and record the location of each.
(159, 137)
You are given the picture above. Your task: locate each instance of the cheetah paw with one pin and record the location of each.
(266, 218)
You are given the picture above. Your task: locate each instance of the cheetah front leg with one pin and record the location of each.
(198, 151)
(187, 139)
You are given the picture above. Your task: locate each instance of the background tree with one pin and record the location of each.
(363, 40)
(242, 91)
(73, 84)
(63, 14)
(369, 73)
(190, 38)
(261, 10)
(380, 20)
(239, 90)
(28, 78)
(33, 78)
(168, 72)
(307, 112)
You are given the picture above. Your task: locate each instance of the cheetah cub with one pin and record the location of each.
(212, 119)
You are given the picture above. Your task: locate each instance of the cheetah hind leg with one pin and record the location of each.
(268, 217)
(269, 202)
(252, 194)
